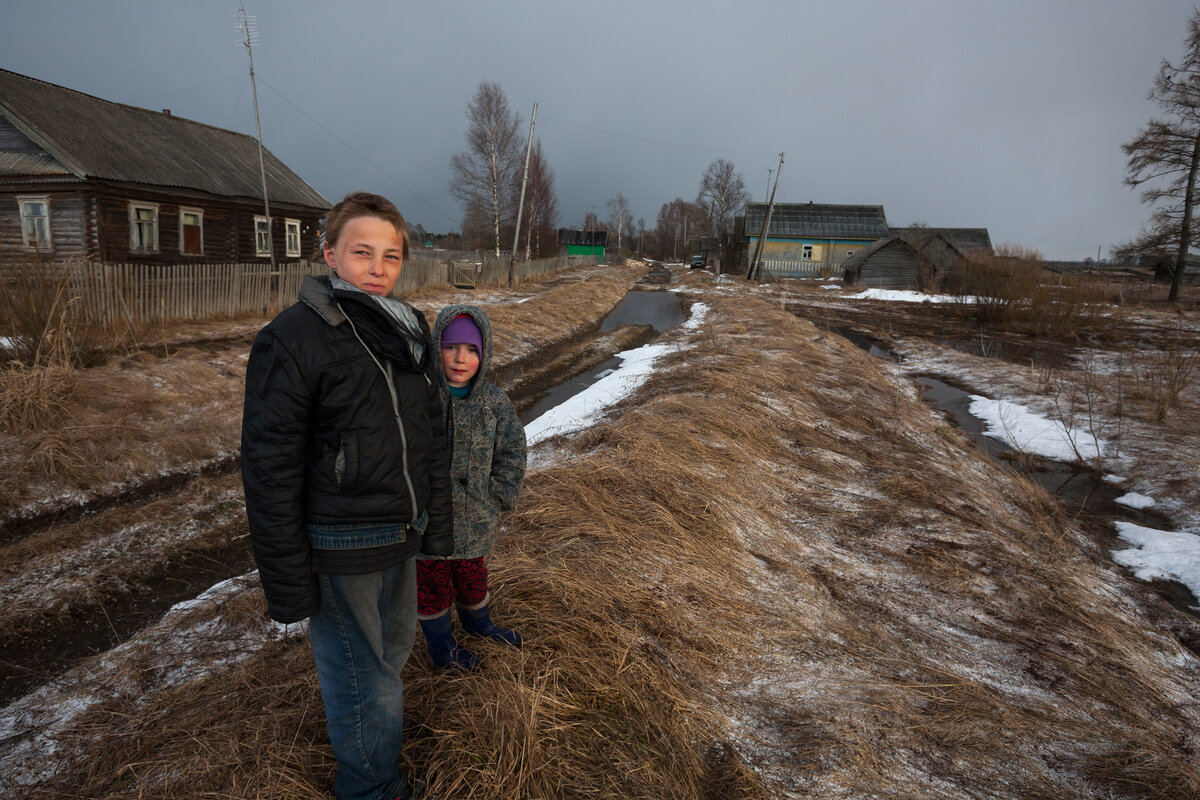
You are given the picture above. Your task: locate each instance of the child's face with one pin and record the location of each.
(460, 363)
(369, 253)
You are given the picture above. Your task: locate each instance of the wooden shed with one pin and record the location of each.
(913, 258)
(87, 179)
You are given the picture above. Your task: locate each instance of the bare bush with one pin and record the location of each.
(1010, 290)
(993, 287)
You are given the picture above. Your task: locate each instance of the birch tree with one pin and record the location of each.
(1164, 158)
(620, 218)
(485, 175)
(722, 194)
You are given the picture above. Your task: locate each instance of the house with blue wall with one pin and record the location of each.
(811, 240)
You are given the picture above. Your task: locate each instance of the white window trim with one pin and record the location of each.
(259, 250)
(288, 226)
(806, 252)
(133, 225)
(36, 244)
(200, 213)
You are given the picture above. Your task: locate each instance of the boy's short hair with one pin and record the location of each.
(362, 204)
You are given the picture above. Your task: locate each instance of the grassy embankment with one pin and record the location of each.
(774, 572)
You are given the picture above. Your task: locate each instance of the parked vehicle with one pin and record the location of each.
(697, 262)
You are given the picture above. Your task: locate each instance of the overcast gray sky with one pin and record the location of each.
(956, 113)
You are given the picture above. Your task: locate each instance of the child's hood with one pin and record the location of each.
(444, 318)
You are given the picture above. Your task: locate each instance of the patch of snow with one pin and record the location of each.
(901, 295)
(1135, 500)
(1030, 432)
(1160, 554)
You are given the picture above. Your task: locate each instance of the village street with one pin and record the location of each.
(761, 567)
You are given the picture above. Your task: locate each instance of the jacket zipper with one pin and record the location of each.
(387, 377)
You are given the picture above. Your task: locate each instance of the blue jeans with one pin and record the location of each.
(361, 637)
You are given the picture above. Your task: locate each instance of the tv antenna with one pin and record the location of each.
(247, 36)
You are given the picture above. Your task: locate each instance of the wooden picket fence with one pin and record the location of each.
(136, 294)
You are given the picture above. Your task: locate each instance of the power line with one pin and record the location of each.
(659, 141)
(188, 89)
(351, 148)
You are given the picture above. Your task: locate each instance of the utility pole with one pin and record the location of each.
(247, 36)
(521, 205)
(752, 272)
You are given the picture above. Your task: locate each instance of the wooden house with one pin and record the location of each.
(915, 258)
(85, 179)
(811, 239)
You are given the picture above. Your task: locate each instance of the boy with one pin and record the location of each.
(340, 494)
(486, 468)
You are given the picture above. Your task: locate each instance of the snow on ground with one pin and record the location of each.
(1030, 432)
(189, 641)
(1135, 500)
(1160, 554)
(1026, 423)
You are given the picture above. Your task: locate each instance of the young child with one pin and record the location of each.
(486, 468)
(345, 465)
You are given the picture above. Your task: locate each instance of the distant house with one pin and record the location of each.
(811, 239)
(914, 258)
(90, 180)
(584, 243)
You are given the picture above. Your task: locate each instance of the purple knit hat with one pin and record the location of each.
(462, 330)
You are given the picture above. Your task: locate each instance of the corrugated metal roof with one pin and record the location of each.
(818, 221)
(96, 138)
(30, 164)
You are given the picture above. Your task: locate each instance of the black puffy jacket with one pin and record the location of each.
(321, 444)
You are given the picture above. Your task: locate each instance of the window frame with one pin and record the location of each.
(288, 226)
(23, 202)
(135, 223)
(806, 252)
(259, 249)
(199, 212)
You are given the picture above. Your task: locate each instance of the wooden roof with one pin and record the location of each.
(92, 138)
(818, 221)
(965, 240)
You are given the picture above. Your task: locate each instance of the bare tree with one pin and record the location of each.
(722, 194)
(1165, 156)
(485, 175)
(620, 218)
(542, 203)
(679, 222)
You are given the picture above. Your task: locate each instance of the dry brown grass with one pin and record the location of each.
(768, 575)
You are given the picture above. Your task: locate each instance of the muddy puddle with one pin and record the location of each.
(652, 311)
(1091, 499)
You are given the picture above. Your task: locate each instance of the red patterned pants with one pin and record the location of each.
(440, 583)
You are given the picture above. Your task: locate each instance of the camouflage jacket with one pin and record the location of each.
(488, 461)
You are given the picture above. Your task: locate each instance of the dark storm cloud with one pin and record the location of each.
(1003, 115)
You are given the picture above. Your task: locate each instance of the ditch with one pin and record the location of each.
(119, 608)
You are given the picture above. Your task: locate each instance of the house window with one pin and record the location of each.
(292, 236)
(35, 222)
(191, 231)
(143, 228)
(262, 236)
(806, 252)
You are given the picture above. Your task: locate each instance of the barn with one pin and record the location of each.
(914, 258)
